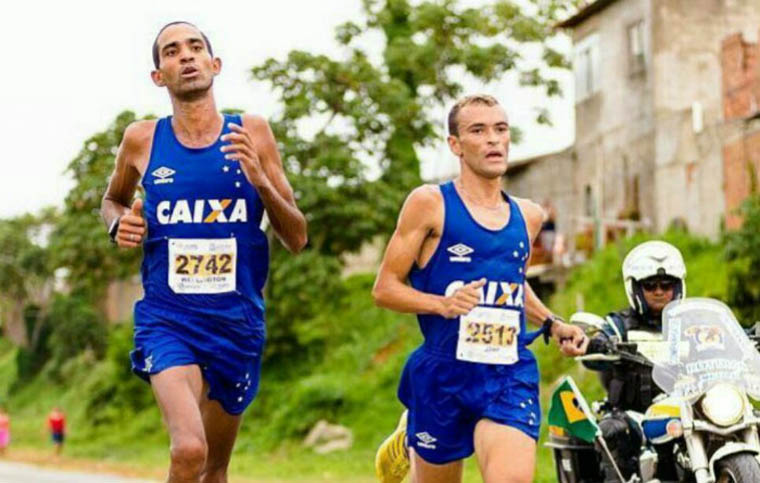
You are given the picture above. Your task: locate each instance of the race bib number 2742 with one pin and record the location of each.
(202, 266)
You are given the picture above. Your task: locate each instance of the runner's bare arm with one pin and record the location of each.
(572, 340)
(131, 159)
(256, 148)
(421, 217)
(535, 310)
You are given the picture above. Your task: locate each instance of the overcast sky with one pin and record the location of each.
(71, 67)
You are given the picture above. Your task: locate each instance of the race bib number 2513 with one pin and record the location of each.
(202, 266)
(489, 335)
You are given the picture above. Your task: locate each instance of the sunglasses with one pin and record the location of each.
(651, 285)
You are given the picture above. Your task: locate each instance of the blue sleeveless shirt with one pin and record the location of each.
(203, 220)
(467, 251)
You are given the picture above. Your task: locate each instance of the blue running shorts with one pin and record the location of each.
(446, 398)
(228, 352)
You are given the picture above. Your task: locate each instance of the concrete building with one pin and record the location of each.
(741, 129)
(649, 117)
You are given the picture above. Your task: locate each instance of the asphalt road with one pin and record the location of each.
(22, 473)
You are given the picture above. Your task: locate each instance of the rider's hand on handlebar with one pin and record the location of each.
(571, 339)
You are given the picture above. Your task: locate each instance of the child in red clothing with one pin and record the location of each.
(5, 430)
(57, 425)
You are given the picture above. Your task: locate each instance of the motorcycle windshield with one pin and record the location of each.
(705, 346)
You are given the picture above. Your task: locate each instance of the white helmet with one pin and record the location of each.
(651, 259)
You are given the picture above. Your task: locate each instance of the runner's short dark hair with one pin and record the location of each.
(157, 59)
(466, 101)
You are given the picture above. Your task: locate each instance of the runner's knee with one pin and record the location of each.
(188, 455)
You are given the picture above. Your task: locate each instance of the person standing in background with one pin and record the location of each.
(57, 425)
(5, 430)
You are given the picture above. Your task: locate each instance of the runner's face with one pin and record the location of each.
(483, 140)
(186, 68)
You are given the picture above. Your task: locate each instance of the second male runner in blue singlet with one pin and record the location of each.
(464, 247)
(208, 179)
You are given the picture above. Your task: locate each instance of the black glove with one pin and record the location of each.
(598, 345)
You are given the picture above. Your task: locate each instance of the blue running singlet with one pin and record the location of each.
(194, 193)
(205, 265)
(475, 366)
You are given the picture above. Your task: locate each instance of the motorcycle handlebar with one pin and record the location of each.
(616, 352)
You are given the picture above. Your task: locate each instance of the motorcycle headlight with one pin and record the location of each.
(723, 405)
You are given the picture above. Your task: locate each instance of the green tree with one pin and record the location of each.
(79, 242)
(24, 273)
(742, 250)
(375, 112)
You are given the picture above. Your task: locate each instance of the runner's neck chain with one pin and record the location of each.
(467, 195)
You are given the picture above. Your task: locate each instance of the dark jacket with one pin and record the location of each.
(629, 385)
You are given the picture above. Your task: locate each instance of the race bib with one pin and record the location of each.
(202, 266)
(489, 335)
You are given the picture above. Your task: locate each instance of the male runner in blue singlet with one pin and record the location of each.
(208, 179)
(464, 248)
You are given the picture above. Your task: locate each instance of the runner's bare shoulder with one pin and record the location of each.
(258, 126)
(255, 120)
(136, 144)
(534, 215)
(138, 136)
(424, 206)
(261, 135)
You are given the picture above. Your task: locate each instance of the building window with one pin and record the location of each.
(636, 47)
(588, 202)
(586, 67)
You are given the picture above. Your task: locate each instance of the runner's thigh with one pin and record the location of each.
(178, 391)
(505, 454)
(424, 472)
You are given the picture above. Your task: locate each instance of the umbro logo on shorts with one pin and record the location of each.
(163, 175)
(460, 252)
(426, 440)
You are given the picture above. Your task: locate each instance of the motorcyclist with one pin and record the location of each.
(654, 274)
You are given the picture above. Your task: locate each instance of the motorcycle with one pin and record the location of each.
(708, 370)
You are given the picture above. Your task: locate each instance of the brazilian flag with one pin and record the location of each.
(568, 410)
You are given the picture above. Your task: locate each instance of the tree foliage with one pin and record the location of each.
(24, 260)
(742, 249)
(372, 112)
(24, 274)
(79, 242)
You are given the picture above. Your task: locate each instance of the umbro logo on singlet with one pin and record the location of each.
(163, 175)
(460, 252)
(426, 440)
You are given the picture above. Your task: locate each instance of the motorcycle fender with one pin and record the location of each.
(728, 449)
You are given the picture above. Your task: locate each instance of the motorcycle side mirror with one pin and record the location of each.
(590, 323)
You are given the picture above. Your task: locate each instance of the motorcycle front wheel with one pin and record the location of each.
(738, 468)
